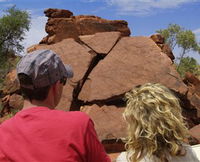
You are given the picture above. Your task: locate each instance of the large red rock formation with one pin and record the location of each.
(133, 61)
(62, 24)
(106, 66)
(114, 130)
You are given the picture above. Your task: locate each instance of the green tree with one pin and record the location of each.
(13, 25)
(188, 64)
(176, 35)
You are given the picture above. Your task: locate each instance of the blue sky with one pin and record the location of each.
(144, 17)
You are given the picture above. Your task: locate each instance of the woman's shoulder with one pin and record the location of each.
(196, 149)
(124, 155)
(192, 155)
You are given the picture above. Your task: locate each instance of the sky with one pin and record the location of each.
(144, 17)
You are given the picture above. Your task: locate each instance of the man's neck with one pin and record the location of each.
(35, 103)
(48, 102)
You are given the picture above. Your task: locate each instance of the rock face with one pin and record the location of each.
(101, 116)
(160, 41)
(62, 24)
(107, 65)
(195, 132)
(194, 91)
(11, 83)
(121, 70)
(101, 43)
(57, 13)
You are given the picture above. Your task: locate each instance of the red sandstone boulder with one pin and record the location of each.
(133, 61)
(193, 94)
(11, 83)
(166, 49)
(108, 121)
(193, 82)
(88, 25)
(59, 29)
(195, 132)
(101, 43)
(158, 38)
(61, 25)
(16, 101)
(58, 13)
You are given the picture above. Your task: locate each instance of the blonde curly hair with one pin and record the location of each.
(155, 123)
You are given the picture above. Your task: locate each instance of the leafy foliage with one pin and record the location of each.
(176, 35)
(13, 25)
(187, 41)
(188, 64)
(170, 34)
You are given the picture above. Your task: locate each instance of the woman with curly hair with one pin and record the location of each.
(156, 127)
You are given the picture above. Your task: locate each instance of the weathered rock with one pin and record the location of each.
(193, 82)
(166, 49)
(88, 25)
(160, 41)
(133, 61)
(195, 132)
(158, 38)
(4, 105)
(16, 101)
(61, 25)
(11, 83)
(101, 43)
(194, 100)
(193, 94)
(108, 121)
(58, 13)
(59, 29)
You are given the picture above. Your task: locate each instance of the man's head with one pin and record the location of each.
(40, 70)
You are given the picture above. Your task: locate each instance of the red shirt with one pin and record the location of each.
(39, 134)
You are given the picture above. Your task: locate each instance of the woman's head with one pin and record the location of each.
(155, 122)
